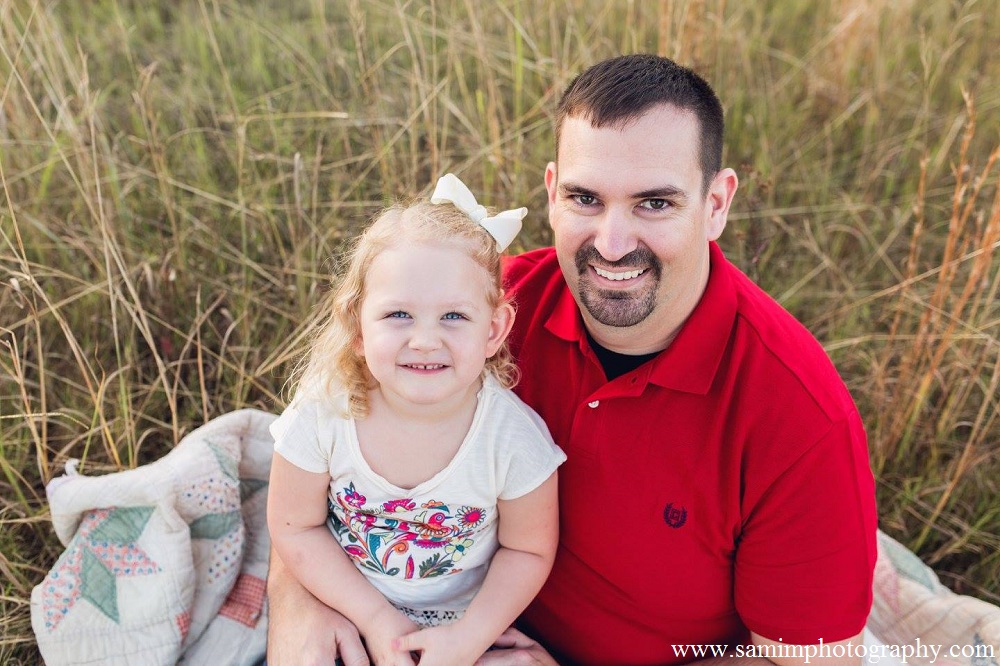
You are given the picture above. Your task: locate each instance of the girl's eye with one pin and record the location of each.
(398, 314)
(454, 316)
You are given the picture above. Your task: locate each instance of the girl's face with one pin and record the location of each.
(426, 325)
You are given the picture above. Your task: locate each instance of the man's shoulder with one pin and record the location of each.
(535, 265)
(535, 284)
(785, 350)
(774, 325)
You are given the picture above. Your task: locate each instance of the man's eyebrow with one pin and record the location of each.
(573, 188)
(666, 192)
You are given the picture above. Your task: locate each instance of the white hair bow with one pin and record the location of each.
(502, 226)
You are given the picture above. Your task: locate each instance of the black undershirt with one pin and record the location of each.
(615, 364)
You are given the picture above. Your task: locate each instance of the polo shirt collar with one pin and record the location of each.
(690, 362)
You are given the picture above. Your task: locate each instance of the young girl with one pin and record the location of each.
(411, 490)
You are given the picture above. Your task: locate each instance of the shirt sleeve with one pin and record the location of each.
(302, 438)
(806, 557)
(529, 455)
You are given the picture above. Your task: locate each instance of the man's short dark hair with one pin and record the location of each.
(615, 92)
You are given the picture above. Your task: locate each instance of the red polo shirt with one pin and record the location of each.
(724, 486)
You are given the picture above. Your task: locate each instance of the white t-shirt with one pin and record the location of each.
(426, 548)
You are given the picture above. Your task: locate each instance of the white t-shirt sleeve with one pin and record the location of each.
(529, 456)
(303, 436)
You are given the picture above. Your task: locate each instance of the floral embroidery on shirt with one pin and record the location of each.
(385, 537)
(470, 516)
(399, 506)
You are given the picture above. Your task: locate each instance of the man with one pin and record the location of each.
(717, 487)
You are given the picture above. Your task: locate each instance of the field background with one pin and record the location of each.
(176, 177)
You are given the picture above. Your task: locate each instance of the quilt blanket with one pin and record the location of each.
(166, 564)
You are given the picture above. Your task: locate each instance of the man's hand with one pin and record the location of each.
(515, 649)
(302, 630)
(315, 636)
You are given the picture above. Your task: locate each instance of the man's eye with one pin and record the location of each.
(655, 204)
(454, 316)
(585, 199)
(398, 314)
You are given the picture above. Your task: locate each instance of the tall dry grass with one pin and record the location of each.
(176, 178)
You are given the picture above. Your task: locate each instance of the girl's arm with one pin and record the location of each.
(528, 535)
(296, 518)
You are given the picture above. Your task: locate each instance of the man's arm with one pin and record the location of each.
(302, 629)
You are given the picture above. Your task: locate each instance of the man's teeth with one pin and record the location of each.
(628, 275)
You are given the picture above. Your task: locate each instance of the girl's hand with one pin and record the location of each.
(448, 645)
(382, 632)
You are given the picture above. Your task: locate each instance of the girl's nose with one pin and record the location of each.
(425, 337)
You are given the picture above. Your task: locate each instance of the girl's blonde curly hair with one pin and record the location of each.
(332, 363)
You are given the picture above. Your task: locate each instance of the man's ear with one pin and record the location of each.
(550, 182)
(720, 196)
(500, 325)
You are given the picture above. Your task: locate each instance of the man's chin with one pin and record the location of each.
(617, 312)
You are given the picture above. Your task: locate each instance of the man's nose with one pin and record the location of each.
(615, 236)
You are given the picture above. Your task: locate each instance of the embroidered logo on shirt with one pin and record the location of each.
(674, 517)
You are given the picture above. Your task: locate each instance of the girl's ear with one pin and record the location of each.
(500, 325)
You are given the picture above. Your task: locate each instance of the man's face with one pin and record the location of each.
(632, 225)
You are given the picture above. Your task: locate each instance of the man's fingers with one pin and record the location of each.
(507, 658)
(516, 649)
(352, 652)
(512, 638)
(403, 660)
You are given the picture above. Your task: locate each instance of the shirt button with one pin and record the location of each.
(593, 404)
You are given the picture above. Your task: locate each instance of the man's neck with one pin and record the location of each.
(615, 364)
(626, 340)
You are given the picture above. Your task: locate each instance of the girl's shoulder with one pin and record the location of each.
(321, 398)
(504, 411)
(307, 430)
(524, 450)
(314, 408)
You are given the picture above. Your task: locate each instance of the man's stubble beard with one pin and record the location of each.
(612, 307)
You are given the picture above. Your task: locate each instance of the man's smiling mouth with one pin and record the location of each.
(617, 276)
